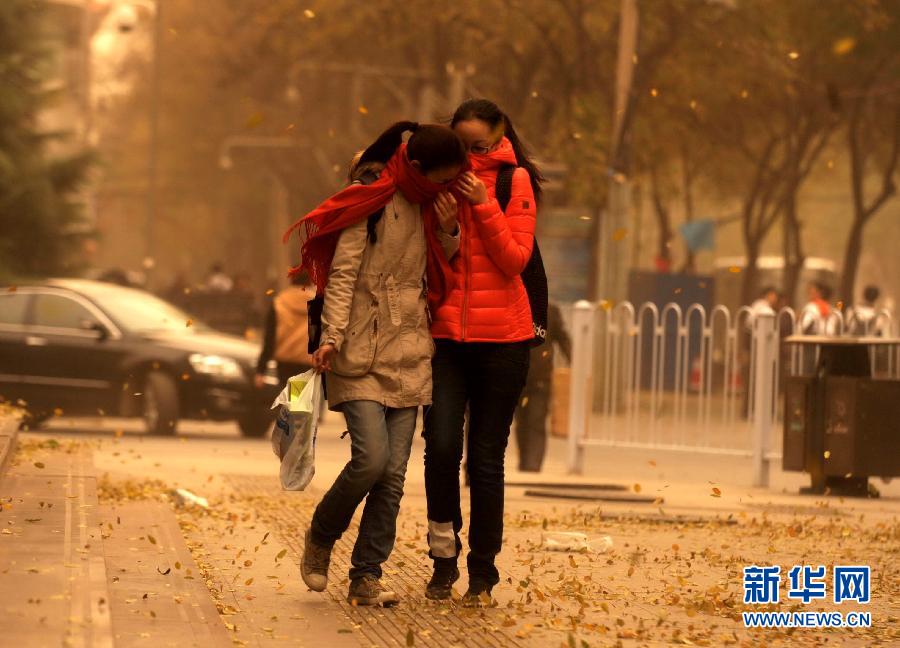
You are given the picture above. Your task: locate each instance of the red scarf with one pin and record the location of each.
(321, 228)
(485, 163)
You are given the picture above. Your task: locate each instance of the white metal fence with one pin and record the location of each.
(695, 380)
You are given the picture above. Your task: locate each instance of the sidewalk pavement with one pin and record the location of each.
(673, 575)
(9, 430)
(90, 561)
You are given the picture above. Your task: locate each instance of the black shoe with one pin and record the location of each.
(478, 594)
(445, 574)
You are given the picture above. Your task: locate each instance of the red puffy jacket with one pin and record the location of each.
(488, 302)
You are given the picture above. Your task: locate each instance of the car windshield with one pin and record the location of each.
(142, 312)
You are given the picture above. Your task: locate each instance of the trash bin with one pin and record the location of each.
(840, 424)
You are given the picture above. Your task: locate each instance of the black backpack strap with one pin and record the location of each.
(503, 189)
(367, 178)
(534, 277)
(314, 322)
(371, 223)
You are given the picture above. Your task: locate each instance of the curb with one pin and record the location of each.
(568, 484)
(9, 432)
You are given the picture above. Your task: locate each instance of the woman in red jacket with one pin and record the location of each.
(483, 331)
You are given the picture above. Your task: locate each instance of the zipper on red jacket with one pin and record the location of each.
(464, 242)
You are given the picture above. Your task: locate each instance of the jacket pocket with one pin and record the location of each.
(425, 343)
(357, 354)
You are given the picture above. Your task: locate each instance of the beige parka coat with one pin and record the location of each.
(376, 312)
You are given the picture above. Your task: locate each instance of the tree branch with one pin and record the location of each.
(888, 187)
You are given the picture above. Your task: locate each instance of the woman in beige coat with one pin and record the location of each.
(377, 346)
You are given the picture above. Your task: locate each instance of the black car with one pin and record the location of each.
(88, 348)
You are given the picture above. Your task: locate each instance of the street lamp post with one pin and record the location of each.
(612, 258)
(153, 162)
(128, 19)
(279, 219)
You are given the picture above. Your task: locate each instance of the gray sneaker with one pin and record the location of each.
(314, 565)
(369, 590)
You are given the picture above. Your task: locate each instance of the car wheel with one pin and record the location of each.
(255, 426)
(160, 403)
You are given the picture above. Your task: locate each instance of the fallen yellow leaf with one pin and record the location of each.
(844, 45)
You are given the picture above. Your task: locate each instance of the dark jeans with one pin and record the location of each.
(489, 378)
(531, 425)
(380, 442)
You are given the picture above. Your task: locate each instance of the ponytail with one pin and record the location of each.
(490, 113)
(383, 148)
(432, 146)
(523, 158)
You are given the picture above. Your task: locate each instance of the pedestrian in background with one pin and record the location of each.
(865, 315)
(218, 281)
(286, 336)
(813, 318)
(531, 415)
(765, 304)
(369, 249)
(483, 333)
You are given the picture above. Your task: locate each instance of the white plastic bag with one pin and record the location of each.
(294, 435)
(574, 541)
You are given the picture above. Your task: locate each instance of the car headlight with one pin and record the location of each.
(214, 365)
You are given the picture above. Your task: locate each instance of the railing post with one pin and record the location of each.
(580, 389)
(765, 349)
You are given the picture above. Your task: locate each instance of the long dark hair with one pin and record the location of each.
(433, 146)
(490, 113)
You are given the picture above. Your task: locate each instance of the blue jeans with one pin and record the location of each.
(380, 443)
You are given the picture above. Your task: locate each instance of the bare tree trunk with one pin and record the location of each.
(751, 272)
(862, 213)
(663, 219)
(793, 250)
(755, 219)
(851, 260)
(687, 189)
